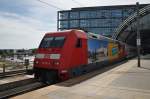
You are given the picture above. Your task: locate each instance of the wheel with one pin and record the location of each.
(36, 75)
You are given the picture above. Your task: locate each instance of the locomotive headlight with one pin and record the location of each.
(54, 56)
(64, 71)
(39, 56)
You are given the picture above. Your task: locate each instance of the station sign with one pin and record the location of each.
(138, 41)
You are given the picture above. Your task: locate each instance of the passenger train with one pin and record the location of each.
(66, 54)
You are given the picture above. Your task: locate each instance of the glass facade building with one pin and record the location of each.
(101, 20)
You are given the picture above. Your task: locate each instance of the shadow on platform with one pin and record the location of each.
(87, 76)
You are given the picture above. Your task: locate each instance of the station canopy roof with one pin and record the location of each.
(126, 32)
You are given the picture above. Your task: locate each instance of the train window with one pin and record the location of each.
(46, 42)
(58, 42)
(79, 43)
(52, 42)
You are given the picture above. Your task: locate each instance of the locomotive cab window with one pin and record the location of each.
(79, 43)
(58, 42)
(52, 42)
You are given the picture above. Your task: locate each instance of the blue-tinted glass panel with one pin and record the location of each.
(103, 13)
(74, 15)
(63, 15)
(74, 23)
(84, 23)
(106, 22)
(93, 14)
(84, 14)
(101, 22)
(116, 22)
(63, 24)
(116, 13)
(102, 31)
(127, 12)
(94, 22)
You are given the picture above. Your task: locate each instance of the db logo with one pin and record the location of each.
(47, 56)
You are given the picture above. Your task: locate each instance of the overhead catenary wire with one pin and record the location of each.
(54, 6)
(77, 2)
(49, 4)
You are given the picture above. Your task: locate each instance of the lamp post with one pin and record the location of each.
(138, 33)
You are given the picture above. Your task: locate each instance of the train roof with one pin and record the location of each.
(82, 34)
(100, 37)
(78, 33)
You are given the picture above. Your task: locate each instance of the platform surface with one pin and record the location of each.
(126, 81)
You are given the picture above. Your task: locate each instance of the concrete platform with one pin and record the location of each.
(126, 81)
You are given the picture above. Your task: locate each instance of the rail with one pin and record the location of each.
(18, 87)
(16, 72)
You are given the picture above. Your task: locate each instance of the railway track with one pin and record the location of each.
(18, 87)
(13, 73)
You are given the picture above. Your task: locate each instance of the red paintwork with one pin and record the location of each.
(70, 55)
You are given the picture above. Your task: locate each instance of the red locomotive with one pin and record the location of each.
(63, 55)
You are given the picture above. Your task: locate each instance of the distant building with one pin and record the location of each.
(10, 52)
(102, 20)
(24, 52)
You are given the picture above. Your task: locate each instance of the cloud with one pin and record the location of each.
(24, 22)
(21, 32)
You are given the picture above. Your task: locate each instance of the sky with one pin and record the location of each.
(23, 23)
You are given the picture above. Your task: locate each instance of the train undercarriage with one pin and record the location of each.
(46, 76)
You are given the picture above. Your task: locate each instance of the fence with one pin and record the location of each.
(6, 66)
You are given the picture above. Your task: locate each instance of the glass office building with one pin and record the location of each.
(102, 20)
